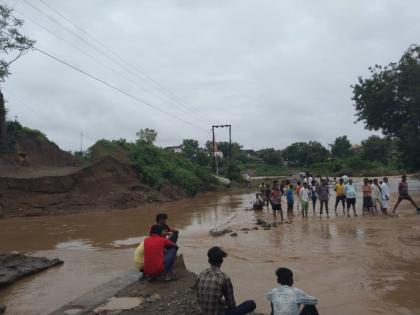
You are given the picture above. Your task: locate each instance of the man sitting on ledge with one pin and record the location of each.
(213, 285)
(168, 232)
(156, 260)
(286, 300)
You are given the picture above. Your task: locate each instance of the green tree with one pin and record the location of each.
(12, 45)
(378, 149)
(146, 135)
(341, 148)
(389, 100)
(193, 152)
(270, 156)
(304, 154)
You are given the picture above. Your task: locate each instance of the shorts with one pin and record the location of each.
(290, 206)
(385, 204)
(351, 202)
(276, 207)
(304, 204)
(340, 198)
(367, 202)
(404, 197)
(314, 198)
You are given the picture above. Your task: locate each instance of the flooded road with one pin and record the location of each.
(369, 265)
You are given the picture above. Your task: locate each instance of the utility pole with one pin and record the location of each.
(81, 144)
(214, 142)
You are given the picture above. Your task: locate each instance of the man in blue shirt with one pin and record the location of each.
(286, 300)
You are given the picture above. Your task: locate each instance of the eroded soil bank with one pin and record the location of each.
(366, 265)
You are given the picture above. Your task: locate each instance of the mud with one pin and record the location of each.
(14, 266)
(366, 265)
(106, 184)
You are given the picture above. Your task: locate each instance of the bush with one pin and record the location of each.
(159, 167)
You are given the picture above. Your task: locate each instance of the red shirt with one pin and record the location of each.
(154, 255)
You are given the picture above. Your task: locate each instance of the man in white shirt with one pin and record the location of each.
(286, 300)
(385, 195)
(304, 199)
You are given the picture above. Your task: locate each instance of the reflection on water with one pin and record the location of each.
(349, 264)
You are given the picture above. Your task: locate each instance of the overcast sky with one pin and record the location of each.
(278, 71)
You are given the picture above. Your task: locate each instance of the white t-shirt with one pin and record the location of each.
(376, 192)
(304, 194)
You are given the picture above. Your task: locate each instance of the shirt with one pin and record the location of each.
(154, 255)
(376, 192)
(139, 256)
(385, 191)
(403, 188)
(313, 190)
(286, 300)
(304, 194)
(339, 189)
(367, 190)
(214, 292)
(289, 195)
(275, 197)
(323, 192)
(350, 191)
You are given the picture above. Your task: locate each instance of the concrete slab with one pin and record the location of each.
(98, 295)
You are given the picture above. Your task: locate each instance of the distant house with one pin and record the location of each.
(176, 149)
(218, 154)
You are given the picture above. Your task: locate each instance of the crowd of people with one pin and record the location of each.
(156, 255)
(376, 196)
(155, 258)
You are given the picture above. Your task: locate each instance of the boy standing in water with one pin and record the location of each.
(314, 195)
(324, 195)
(350, 192)
(376, 195)
(304, 199)
(404, 195)
(386, 194)
(367, 196)
(290, 202)
(275, 199)
(340, 196)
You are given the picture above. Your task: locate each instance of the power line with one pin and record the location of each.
(117, 88)
(126, 66)
(85, 53)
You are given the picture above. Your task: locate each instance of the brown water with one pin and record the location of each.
(368, 265)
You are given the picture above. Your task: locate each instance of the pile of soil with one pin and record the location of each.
(106, 184)
(32, 151)
(15, 266)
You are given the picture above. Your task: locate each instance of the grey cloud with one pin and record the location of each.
(279, 71)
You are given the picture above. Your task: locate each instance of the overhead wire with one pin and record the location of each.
(116, 88)
(130, 65)
(126, 66)
(113, 86)
(85, 53)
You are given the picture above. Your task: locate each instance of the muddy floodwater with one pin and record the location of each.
(362, 265)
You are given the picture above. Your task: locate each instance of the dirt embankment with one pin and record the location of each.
(106, 184)
(40, 179)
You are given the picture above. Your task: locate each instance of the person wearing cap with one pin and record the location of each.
(159, 255)
(286, 300)
(215, 291)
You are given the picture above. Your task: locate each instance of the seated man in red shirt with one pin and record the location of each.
(168, 232)
(156, 260)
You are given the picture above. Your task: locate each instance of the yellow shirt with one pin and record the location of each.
(339, 189)
(139, 256)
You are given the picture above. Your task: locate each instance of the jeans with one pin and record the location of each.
(170, 257)
(242, 309)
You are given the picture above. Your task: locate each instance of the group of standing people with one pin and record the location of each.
(376, 195)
